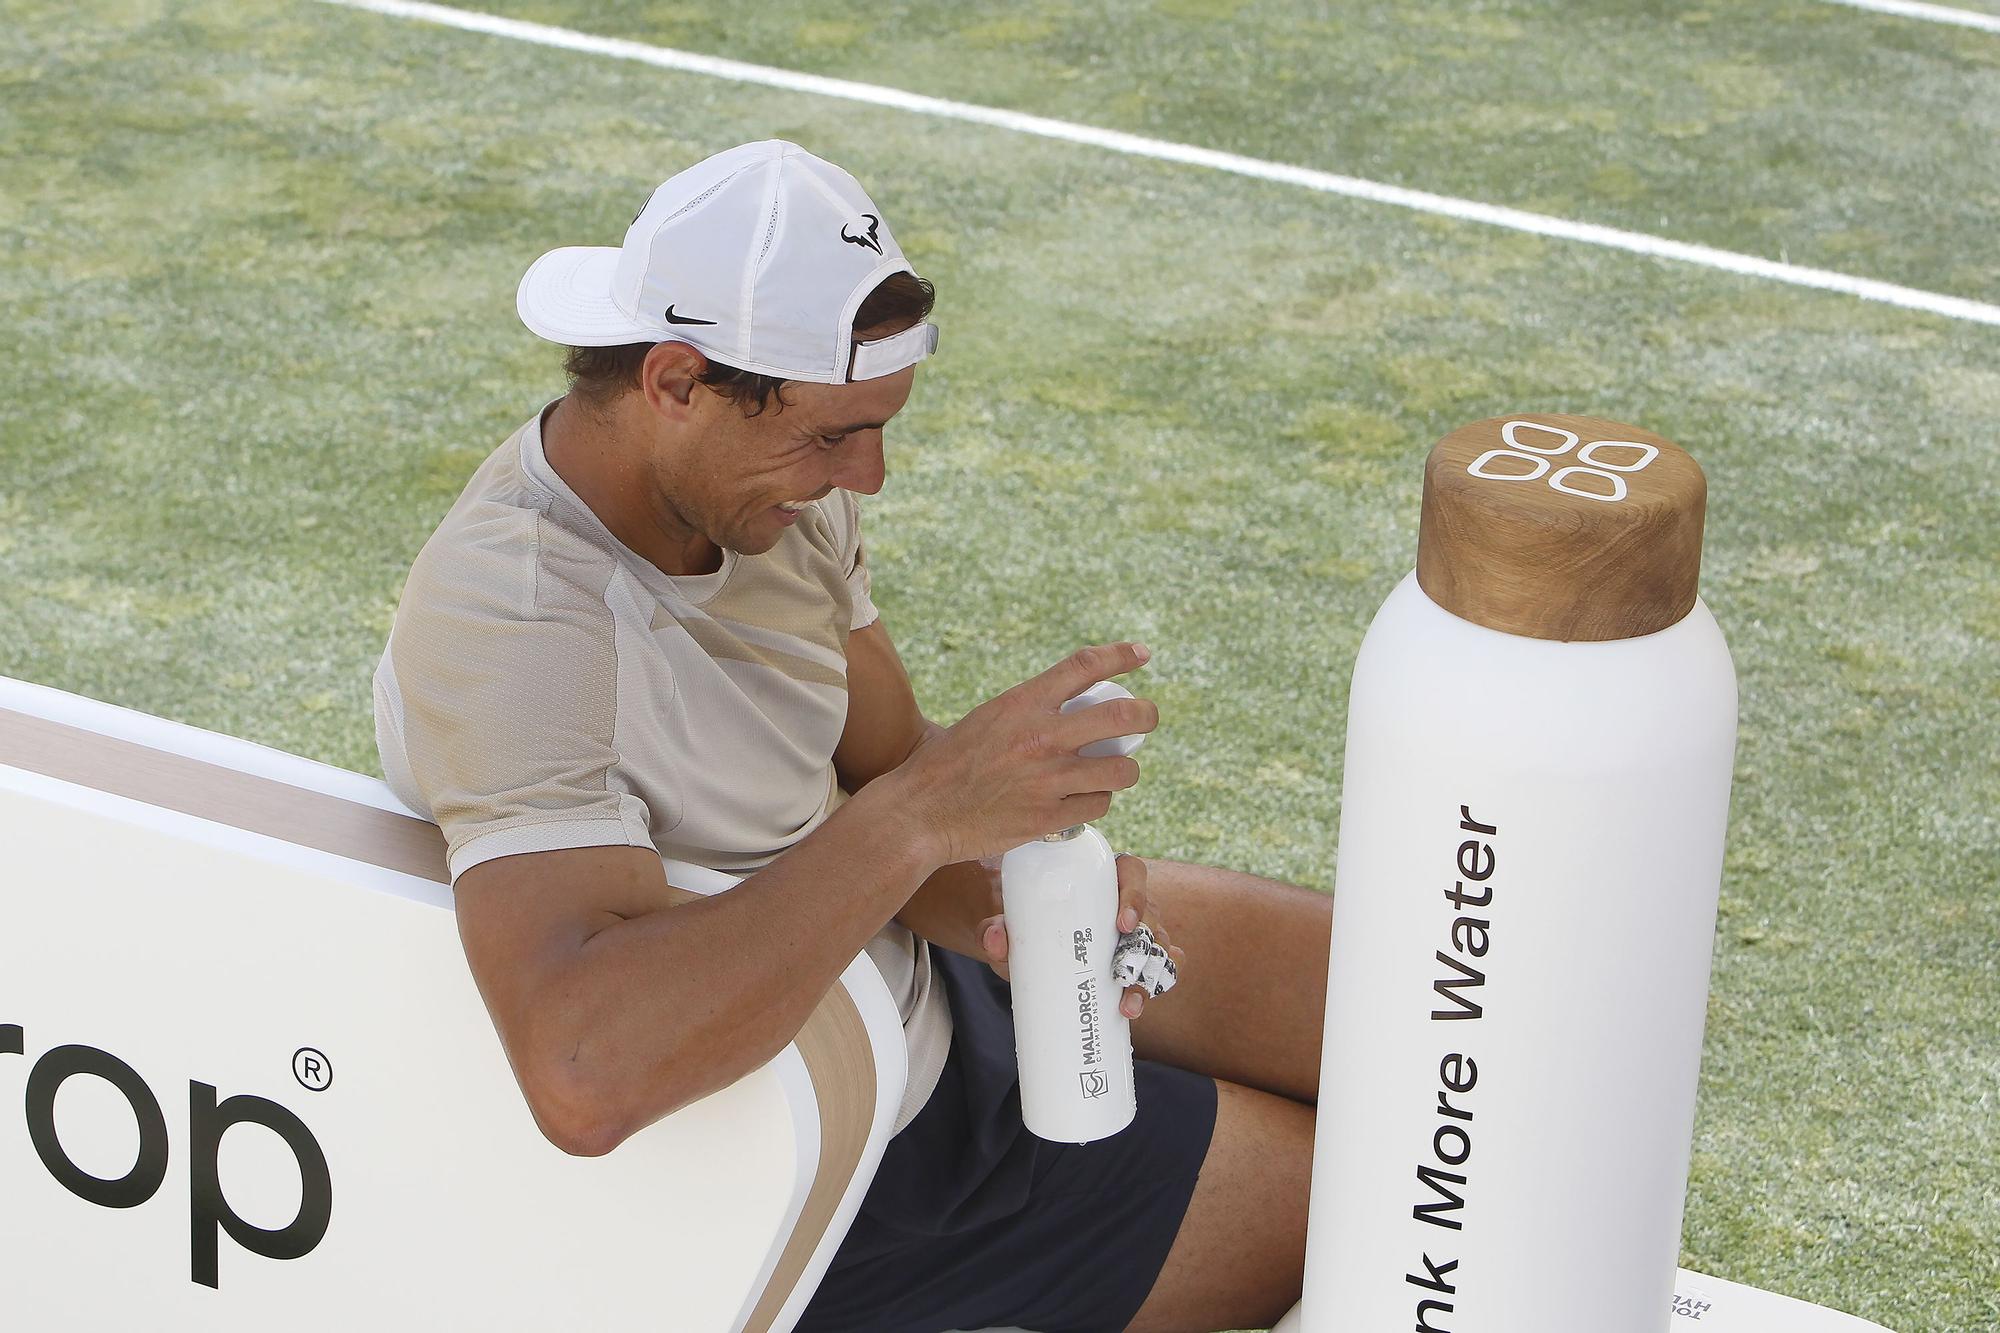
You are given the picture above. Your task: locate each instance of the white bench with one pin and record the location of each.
(191, 911)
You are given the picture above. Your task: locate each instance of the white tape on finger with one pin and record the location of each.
(1139, 960)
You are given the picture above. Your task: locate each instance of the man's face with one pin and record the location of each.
(735, 486)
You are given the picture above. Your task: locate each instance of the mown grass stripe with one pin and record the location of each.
(1911, 9)
(1466, 210)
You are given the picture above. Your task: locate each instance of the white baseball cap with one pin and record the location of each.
(758, 256)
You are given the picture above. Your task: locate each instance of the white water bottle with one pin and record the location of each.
(1540, 735)
(1072, 1042)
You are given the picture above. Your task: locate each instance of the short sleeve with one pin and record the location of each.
(854, 563)
(495, 708)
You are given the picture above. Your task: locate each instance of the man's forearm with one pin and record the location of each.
(678, 1003)
(948, 908)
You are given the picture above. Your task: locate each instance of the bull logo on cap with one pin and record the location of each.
(874, 223)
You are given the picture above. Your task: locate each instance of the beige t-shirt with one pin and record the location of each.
(544, 686)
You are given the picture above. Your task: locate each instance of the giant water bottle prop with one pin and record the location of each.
(1071, 1041)
(1539, 741)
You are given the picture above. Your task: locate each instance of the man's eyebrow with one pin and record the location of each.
(859, 425)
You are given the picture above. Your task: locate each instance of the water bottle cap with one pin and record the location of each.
(1561, 527)
(1103, 692)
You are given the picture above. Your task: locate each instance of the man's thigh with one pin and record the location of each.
(1238, 1259)
(1250, 1004)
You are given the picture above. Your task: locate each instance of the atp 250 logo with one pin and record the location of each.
(1591, 477)
(207, 1119)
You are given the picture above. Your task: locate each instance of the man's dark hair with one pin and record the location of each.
(598, 375)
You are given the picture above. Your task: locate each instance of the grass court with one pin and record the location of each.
(258, 261)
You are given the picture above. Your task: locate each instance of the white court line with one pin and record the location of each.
(1911, 9)
(1513, 219)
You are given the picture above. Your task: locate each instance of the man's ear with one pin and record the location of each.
(667, 377)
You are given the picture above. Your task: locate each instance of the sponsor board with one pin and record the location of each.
(247, 1082)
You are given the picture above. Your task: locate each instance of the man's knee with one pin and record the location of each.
(1238, 1260)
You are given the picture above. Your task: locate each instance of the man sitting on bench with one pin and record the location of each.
(645, 630)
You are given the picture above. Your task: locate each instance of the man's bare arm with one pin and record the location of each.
(884, 726)
(616, 1008)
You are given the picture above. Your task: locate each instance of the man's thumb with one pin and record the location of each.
(993, 939)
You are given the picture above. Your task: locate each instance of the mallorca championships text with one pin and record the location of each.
(1451, 1141)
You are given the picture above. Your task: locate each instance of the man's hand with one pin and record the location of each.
(1134, 908)
(1008, 772)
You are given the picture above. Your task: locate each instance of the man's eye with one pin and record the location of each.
(830, 440)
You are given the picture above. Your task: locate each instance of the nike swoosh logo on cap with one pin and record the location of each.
(672, 318)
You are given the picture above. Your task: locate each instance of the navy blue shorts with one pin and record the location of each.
(972, 1221)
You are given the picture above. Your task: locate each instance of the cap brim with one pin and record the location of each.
(565, 297)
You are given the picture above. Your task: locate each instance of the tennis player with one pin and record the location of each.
(646, 630)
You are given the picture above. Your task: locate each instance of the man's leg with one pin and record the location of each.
(1248, 1012)
(1251, 1003)
(1238, 1260)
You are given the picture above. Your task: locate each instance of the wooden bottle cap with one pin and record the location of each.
(1561, 527)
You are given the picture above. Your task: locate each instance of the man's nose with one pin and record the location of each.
(861, 467)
